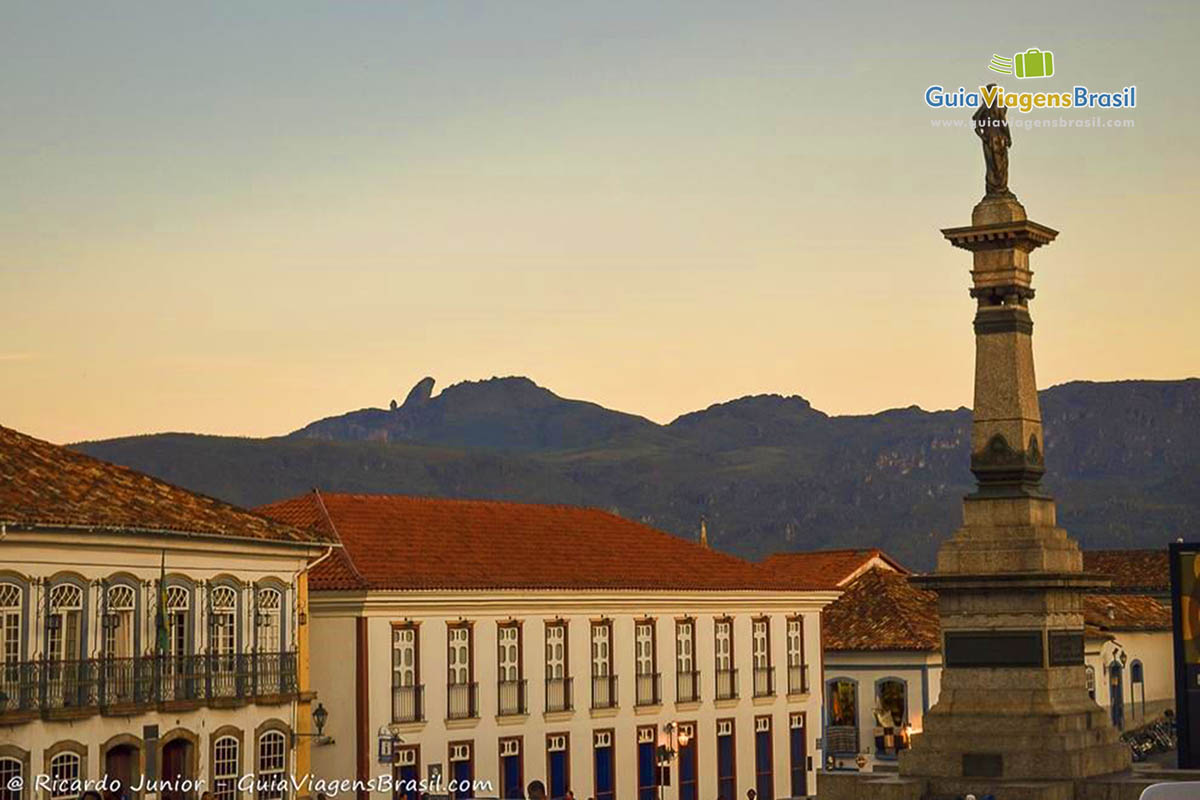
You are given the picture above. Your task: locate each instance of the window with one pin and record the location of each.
(224, 620)
(688, 766)
(225, 768)
(604, 692)
(647, 762)
(798, 751)
(891, 715)
(462, 769)
(178, 604)
(687, 684)
(119, 628)
(461, 669)
(11, 614)
(1137, 686)
(408, 773)
(726, 760)
(605, 767)
(512, 770)
(797, 670)
(63, 634)
(64, 776)
(645, 664)
(764, 775)
(1091, 682)
(841, 737)
(558, 764)
(10, 768)
(764, 675)
(272, 766)
(723, 646)
(269, 624)
(511, 688)
(407, 698)
(558, 687)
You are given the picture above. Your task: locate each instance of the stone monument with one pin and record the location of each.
(1014, 716)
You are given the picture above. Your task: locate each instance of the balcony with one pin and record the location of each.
(462, 701)
(604, 691)
(559, 694)
(687, 687)
(408, 703)
(648, 689)
(764, 681)
(136, 684)
(511, 698)
(727, 684)
(798, 679)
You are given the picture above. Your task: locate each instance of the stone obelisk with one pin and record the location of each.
(1014, 704)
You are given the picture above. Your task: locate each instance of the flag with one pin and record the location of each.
(162, 638)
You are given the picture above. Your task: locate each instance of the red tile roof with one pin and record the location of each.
(881, 610)
(1126, 612)
(831, 569)
(1148, 571)
(44, 485)
(399, 542)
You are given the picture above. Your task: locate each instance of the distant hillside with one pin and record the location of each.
(768, 472)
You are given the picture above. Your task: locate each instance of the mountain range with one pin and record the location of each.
(767, 472)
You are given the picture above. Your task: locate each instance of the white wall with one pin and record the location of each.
(332, 673)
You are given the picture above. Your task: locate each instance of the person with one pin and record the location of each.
(991, 126)
(569, 795)
(536, 790)
(751, 794)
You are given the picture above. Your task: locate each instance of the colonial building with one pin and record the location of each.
(883, 655)
(501, 643)
(146, 633)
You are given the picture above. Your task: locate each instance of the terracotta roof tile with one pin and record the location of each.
(44, 485)
(400, 542)
(829, 568)
(1126, 612)
(1130, 570)
(881, 610)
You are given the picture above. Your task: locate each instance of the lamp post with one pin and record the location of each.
(320, 717)
(667, 751)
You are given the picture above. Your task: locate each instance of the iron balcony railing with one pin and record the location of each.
(510, 698)
(648, 689)
(764, 681)
(687, 686)
(51, 684)
(558, 694)
(462, 701)
(798, 679)
(726, 684)
(408, 703)
(604, 691)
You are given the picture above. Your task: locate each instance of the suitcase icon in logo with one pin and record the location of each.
(1034, 63)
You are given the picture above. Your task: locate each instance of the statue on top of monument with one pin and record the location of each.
(991, 126)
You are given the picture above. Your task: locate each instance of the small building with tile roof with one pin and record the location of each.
(509, 642)
(145, 629)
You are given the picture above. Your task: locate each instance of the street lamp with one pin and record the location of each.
(667, 750)
(320, 716)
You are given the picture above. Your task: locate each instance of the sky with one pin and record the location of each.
(236, 218)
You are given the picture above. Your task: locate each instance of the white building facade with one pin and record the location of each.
(146, 634)
(696, 684)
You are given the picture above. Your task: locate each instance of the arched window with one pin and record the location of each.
(1137, 686)
(224, 621)
(179, 609)
(64, 634)
(10, 768)
(120, 603)
(270, 620)
(272, 764)
(64, 776)
(891, 715)
(12, 614)
(841, 714)
(226, 760)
